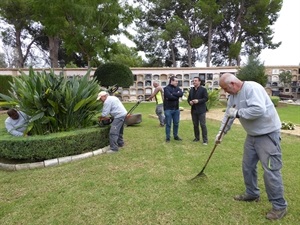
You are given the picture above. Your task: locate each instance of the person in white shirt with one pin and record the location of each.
(16, 123)
(113, 106)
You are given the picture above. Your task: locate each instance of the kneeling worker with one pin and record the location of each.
(16, 123)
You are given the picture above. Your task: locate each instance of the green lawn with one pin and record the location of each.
(149, 182)
(289, 113)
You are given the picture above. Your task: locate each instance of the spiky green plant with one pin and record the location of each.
(213, 97)
(54, 103)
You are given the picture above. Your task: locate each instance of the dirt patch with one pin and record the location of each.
(217, 114)
(214, 114)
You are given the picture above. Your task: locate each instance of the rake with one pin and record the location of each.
(202, 174)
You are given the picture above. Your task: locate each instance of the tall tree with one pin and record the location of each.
(189, 21)
(245, 29)
(286, 77)
(209, 11)
(155, 33)
(120, 53)
(17, 15)
(254, 70)
(3, 64)
(172, 29)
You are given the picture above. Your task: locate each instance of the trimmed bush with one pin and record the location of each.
(275, 100)
(38, 148)
(5, 81)
(110, 74)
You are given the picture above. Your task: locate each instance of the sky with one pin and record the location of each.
(287, 30)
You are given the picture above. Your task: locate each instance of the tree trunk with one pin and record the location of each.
(173, 55)
(53, 51)
(208, 57)
(189, 54)
(20, 60)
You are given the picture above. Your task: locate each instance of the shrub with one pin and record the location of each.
(275, 100)
(287, 126)
(5, 81)
(254, 71)
(38, 148)
(110, 74)
(55, 103)
(213, 97)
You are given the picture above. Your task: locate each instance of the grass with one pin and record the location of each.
(148, 182)
(289, 113)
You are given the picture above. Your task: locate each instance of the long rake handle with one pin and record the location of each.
(213, 150)
(133, 108)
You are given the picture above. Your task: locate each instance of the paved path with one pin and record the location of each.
(217, 114)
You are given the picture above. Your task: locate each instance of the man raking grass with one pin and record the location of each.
(258, 116)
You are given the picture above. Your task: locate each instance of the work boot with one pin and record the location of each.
(246, 198)
(276, 214)
(111, 151)
(177, 138)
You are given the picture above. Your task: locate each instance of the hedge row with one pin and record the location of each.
(4, 83)
(39, 148)
(275, 100)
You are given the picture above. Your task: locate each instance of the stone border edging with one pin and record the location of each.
(52, 162)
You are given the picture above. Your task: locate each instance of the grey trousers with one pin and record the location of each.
(116, 133)
(160, 113)
(266, 149)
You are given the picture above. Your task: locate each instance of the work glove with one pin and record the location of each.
(233, 113)
(219, 138)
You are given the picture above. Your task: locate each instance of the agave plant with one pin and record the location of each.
(213, 97)
(54, 103)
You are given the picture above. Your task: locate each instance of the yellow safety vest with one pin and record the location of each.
(158, 98)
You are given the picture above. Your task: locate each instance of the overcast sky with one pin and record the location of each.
(287, 30)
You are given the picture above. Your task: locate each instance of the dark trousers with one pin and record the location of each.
(116, 133)
(197, 119)
(172, 115)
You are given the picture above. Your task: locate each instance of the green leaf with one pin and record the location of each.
(37, 116)
(79, 105)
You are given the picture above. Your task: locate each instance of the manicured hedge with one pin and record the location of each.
(275, 100)
(113, 73)
(38, 148)
(4, 84)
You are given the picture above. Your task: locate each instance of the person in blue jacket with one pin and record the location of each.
(172, 93)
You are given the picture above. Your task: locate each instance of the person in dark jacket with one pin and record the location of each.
(172, 93)
(197, 100)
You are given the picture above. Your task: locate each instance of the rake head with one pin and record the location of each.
(200, 175)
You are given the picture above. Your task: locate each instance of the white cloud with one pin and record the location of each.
(286, 30)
